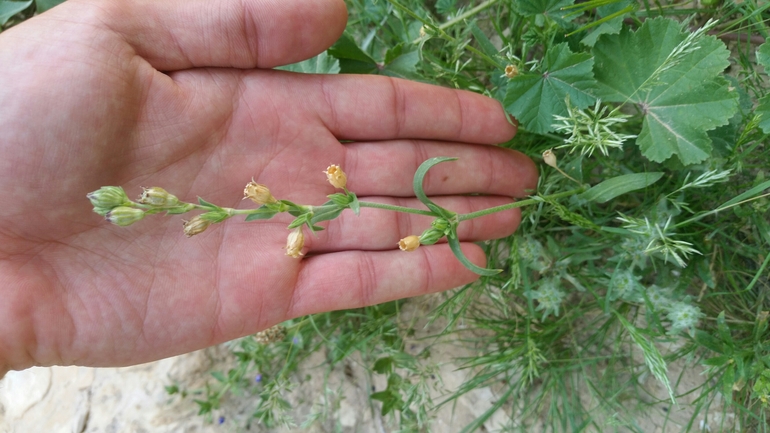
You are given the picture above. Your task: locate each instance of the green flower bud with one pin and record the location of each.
(157, 196)
(124, 215)
(440, 224)
(431, 236)
(106, 198)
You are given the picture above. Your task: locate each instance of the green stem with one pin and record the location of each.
(516, 204)
(468, 14)
(396, 208)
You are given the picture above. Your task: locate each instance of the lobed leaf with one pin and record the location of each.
(11, 8)
(682, 99)
(534, 98)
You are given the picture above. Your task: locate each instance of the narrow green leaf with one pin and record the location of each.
(206, 204)
(746, 195)
(484, 43)
(611, 188)
(709, 342)
(728, 379)
(419, 176)
(478, 422)
(298, 222)
(454, 244)
(11, 8)
(262, 214)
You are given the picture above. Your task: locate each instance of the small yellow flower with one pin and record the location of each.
(409, 243)
(511, 71)
(295, 242)
(549, 158)
(336, 176)
(258, 193)
(195, 226)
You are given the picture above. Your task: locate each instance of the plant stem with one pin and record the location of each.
(395, 208)
(521, 203)
(467, 14)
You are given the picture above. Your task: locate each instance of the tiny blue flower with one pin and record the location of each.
(221, 420)
(258, 378)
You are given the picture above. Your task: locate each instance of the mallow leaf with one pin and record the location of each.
(553, 9)
(682, 96)
(11, 8)
(320, 64)
(535, 97)
(400, 61)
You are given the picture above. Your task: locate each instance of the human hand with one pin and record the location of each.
(180, 95)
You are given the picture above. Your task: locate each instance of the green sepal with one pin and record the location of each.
(266, 214)
(187, 207)
(215, 216)
(419, 176)
(454, 244)
(339, 199)
(354, 205)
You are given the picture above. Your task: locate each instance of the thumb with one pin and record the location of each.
(181, 34)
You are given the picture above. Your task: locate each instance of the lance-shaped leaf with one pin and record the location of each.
(681, 95)
(534, 98)
(419, 176)
(620, 185)
(763, 109)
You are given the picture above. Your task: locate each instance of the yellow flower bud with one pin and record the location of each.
(336, 176)
(409, 243)
(511, 71)
(295, 242)
(195, 226)
(549, 158)
(257, 193)
(157, 196)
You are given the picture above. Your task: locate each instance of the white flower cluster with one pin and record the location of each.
(549, 297)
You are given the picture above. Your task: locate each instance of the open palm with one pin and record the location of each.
(84, 104)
